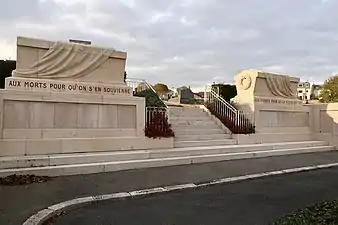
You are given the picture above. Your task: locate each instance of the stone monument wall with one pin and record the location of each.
(272, 100)
(74, 101)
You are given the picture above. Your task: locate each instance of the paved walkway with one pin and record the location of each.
(20, 202)
(249, 202)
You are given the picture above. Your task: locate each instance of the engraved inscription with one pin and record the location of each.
(70, 87)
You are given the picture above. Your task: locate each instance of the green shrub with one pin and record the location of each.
(325, 213)
(152, 99)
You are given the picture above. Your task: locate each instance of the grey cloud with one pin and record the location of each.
(182, 42)
(35, 11)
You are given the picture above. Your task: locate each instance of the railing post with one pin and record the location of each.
(167, 113)
(237, 121)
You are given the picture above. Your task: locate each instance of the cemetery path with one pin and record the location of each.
(18, 203)
(249, 202)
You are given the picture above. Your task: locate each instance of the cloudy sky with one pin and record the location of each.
(189, 42)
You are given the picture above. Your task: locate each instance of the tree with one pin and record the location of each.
(152, 99)
(313, 97)
(161, 88)
(329, 91)
(6, 68)
(227, 91)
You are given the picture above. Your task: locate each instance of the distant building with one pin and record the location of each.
(166, 96)
(199, 97)
(308, 91)
(142, 86)
(304, 90)
(201, 93)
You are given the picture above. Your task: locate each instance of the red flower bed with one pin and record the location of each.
(230, 122)
(157, 125)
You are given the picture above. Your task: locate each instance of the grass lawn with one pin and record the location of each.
(325, 213)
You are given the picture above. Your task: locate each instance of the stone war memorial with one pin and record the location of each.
(69, 97)
(272, 100)
(67, 110)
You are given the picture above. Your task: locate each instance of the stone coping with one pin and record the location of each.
(18, 95)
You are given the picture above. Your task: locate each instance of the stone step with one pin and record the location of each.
(188, 114)
(190, 131)
(185, 110)
(182, 144)
(190, 119)
(117, 156)
(90, 168)
(201, 137)
(192, 122)
(195, 126)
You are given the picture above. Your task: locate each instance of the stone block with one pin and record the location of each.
(16, 114)
(88, 116)
(26, 57)
(22, 133)
(12, 147)
(126, 116)
(43, 146)
(108, 116)
(41, 115)
(87, 133)
(66, 115)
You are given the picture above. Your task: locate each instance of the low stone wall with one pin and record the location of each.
(275, 123)
(324, 122)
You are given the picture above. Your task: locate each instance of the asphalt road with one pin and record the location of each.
(20, 202)
(248, 202)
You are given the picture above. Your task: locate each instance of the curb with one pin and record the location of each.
(47, 213)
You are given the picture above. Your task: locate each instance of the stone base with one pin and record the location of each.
(34, 122)
(21, 147)
(330, 138)
(243, 139)
(98, 162)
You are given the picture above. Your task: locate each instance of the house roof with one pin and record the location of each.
(200, 94)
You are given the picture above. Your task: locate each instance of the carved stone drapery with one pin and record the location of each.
(279, 86)
(66, 60)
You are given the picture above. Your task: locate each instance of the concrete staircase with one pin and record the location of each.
(193, 127)
(87, 163)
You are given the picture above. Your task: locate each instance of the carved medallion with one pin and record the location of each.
(244, 81)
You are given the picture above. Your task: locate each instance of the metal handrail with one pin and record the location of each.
(224, 108)
(220, 98)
